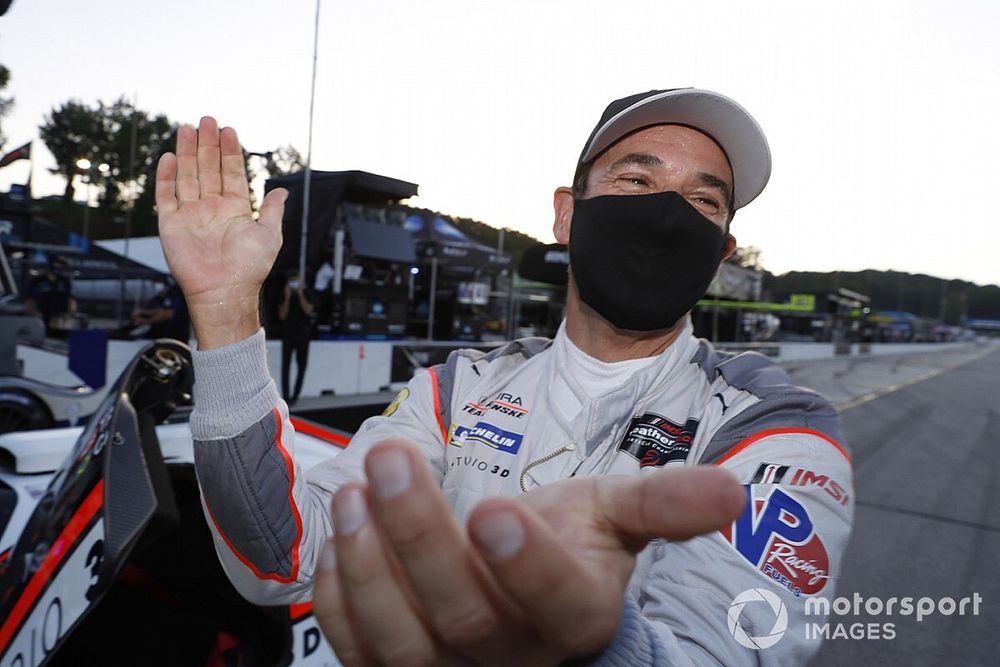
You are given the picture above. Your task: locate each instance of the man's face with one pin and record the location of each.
(662, 158)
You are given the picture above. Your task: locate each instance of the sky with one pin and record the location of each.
(881, 115)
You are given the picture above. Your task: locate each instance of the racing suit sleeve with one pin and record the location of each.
(268, 516)
(757, 592)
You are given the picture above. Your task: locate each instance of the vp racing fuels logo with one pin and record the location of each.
(487, 434)
(653, 440)
(776, 535)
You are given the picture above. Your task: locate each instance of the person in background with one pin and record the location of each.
(163, 316)
(324, 297)
(295, 312)
(51, 293)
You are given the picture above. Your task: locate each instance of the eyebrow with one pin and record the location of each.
(713, 181)
(645, 159)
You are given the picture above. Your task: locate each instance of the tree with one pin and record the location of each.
(6, 103)
(747, 257)
(103, 134)
(282, 161)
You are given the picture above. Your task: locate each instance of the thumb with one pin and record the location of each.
(675, 504)
(273, 208)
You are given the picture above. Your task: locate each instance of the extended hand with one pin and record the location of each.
(216, 251)
(537, 579)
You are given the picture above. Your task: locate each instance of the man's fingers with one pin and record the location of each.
(166, 184)
(432, 550)
(573, 610)
(675, 504)
(187, 165)
(209, 167)
(564, 552)
(331, 612)
(387, 624)
(272, 209)
(234, 170)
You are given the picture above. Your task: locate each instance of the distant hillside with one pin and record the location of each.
(892, 290)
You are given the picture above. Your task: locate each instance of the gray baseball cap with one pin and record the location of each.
(722, 119)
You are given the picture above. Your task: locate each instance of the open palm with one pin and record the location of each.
(217, 252)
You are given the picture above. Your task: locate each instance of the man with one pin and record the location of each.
(533, 505)
(163, 316)
(51, 293)
(295, 312)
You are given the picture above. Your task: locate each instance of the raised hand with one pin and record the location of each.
(536, 580)
(216, 251)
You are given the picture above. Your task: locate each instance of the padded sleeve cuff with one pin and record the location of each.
(232, 388)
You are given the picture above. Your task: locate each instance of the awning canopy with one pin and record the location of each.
(371, 239)
(455, 252)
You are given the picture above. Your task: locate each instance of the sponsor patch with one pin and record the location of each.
(772, 473)
(476, 409)
(487, 434)
(392, 407)
(776, 535)
(769, 473)
(508, 404)
(653, 440)
(476, 463)
(505, 403)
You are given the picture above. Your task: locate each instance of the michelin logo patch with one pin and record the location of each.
(489, 435)
(655, 441)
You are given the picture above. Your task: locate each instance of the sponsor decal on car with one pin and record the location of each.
(653, 440)
(776, 535)
(487, 434)
(773, 473)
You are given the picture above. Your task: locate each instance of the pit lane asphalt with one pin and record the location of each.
(924, 431)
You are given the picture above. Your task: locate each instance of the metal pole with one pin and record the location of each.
(308, 175)
(511, 309)
(338, 261)
(430, 304)
(86, 211)
(128, 213)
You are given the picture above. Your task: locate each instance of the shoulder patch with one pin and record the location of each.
(400, 397)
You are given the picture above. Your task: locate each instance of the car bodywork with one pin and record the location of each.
(105, 556)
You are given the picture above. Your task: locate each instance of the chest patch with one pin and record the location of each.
(489, 435)
(654, 441)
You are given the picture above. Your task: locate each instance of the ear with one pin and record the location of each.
(730, 247)
(562, 202)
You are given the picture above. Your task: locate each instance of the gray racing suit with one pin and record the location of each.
(506, 422)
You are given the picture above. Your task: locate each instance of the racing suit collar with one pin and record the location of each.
(588, 420)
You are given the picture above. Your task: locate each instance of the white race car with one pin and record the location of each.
(105, 557)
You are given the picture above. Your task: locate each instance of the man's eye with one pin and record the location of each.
(707, 202)
(634, 180)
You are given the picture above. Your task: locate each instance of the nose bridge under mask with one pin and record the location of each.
(642, 261)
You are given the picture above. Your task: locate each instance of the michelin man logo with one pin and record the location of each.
(756, 595)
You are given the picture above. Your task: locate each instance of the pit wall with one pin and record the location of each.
(810, 351)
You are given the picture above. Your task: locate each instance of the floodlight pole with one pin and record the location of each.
(308, 175)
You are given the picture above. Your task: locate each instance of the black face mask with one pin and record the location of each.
(642, 261)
